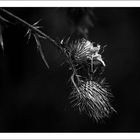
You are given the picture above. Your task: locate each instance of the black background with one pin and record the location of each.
(35, 99)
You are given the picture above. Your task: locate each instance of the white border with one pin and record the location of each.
(69, 3)
(70, 135)
(62, 136)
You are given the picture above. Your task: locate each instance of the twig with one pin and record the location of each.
(39, 32)
(24, 23)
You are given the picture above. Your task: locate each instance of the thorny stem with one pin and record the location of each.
(31, 27)
(59, 45)
(36, 30)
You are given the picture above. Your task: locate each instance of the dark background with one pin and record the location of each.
(35, 99)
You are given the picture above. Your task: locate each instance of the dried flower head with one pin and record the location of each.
(91, 93)
(93, 99)
(84, 50)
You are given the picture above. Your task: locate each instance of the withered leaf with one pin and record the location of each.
(3, 22)
(40, 49)
(1, 38)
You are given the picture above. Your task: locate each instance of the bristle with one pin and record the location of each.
(83, 50)
(92, 95)
(93, 100)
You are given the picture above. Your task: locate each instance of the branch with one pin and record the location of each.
(40, 33)
(26, 24)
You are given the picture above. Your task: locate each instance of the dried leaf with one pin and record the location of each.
(2, 23)
(29, 31)
(3, 19)
(40, 49)
(28, 34)
(37, 36)
(36, 24)
(1, 38)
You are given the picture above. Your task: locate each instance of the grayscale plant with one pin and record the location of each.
(90, 94)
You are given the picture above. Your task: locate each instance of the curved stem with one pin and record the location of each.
(24, 23)
(39, 32)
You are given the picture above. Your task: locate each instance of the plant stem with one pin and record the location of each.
(27, 25)
(24, 23)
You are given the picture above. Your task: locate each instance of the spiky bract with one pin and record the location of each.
(84, 50)
(93, 99)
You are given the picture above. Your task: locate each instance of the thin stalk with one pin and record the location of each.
(36, 30)
(24, 23)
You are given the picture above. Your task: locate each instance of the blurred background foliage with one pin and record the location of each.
(35, 99)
